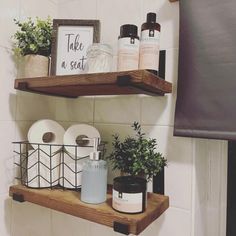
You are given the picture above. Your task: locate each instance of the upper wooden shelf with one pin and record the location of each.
(68, 201)
(111, 83)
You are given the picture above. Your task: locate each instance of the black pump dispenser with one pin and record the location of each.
(128, 48)
(151, 17)
(129, 30)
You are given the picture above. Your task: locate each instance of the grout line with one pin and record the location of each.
(220, 200)
(223, 189)
(11, 220)
(94, 110)
(114, 123)
(170, 48)
(142, 10)
(5, 194)
(99, 123)
(156, 125)
(166, 49)
(16, 104)
(3, 120)
(54, 2)
(208, 191)
(180, 208)
(140, 110)
(97, 14)
(103, 123)
(51, 224)
(4, 47)
(193, 141)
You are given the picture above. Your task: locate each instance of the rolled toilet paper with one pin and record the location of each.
(71, 171)
(75, 132)
(70, 177)
(42, 170)
(47, 133)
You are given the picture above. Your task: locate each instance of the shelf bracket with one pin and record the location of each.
(121, 228)
(123, 80)
(18, 197)
(23, 86)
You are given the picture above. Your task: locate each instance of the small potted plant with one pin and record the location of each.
(136, 156)
(33, 45)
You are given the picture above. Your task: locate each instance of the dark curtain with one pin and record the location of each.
(206, 95)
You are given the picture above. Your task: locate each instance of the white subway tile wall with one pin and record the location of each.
(78, 110)
(9, 11)
(178, 174)
(168, 16)
(7, 131)
(73, 9)
(112, 114)
(117, 109)
(7, 92)
(30, 220)
(113, 14)
(174, 222)
(42, 8)
(35, 107)
(6, 214)
(160, 110)
(18, 219)
(63, 224)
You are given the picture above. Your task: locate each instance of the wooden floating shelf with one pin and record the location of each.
(111, 83)
(68, 201)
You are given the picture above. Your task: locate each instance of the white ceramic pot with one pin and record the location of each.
(34, 66)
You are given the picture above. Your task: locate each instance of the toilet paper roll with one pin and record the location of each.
(40, 172)
(46, 132)
(70, 177)
(80, 130)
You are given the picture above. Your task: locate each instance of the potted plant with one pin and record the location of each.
(136, 156)
(33, 45)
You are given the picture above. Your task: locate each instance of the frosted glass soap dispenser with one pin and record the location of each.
(94, 177)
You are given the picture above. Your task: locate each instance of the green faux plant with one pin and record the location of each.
(33, 37)
(136, 155)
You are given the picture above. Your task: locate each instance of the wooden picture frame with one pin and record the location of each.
(70, 40)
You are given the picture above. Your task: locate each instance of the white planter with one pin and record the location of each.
(34, 66)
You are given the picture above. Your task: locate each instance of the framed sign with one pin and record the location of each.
(70, 41)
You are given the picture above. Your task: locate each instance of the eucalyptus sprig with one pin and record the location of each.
(136, 155)
(33, 37)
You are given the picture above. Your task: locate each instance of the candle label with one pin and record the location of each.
(127, 202)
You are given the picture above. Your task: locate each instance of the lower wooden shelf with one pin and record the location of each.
(68, 201)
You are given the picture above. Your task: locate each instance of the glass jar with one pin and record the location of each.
(129, 194)
(99, 58)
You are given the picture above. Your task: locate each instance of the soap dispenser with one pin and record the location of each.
(94, 177)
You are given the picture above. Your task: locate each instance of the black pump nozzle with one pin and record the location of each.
(151, 17)
(128, 30)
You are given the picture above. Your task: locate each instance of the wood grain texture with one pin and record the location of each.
(141, 82)
(69, 202)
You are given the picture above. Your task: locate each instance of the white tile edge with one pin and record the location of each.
(216, 155)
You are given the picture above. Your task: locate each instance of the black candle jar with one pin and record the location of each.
(129, 194)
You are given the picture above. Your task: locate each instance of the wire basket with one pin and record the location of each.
(40, 166)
